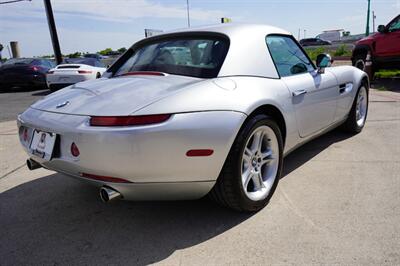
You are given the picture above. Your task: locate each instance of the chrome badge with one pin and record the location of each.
(62, 104)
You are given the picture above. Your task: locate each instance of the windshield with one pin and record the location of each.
(85, 61)
(15, 61)
(193, 57)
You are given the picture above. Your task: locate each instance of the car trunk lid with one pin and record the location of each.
(113, 97)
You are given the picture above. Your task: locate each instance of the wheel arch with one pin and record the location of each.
(360, 49)
(365, 81)
(273, 112)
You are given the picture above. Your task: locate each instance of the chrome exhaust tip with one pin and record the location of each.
(108, 194)
(32, 165)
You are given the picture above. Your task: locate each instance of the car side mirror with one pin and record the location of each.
(382, 28)
(323, 61)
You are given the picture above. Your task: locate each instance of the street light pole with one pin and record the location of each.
(188, 15)
(53, 31)
(367, 28)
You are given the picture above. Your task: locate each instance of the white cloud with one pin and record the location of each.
(106, 10)
(26, 22)
(130, 9)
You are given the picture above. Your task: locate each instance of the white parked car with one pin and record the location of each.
(74, 70)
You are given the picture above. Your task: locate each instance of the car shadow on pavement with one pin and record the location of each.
(42, 93)
(392, 84)
(311, 149)
(59, 220)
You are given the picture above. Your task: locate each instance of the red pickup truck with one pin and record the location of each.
(383, 47)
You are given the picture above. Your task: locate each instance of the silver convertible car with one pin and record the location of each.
(195, 112)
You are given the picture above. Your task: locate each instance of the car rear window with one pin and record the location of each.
(195, 57)
(85, 61)
(16, 61)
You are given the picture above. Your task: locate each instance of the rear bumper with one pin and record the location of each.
(148, 156)
(22, 80)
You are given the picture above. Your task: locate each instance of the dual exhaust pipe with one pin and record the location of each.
(32, 165)
(106, 193)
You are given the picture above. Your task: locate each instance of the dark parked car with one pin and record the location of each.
(24, 73)
(96, 56)
(314, 42)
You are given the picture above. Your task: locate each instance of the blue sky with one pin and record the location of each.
(92, 25)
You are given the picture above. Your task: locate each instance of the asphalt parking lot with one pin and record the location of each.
(338, 202)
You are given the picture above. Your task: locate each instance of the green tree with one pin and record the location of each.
(122, 50)
(105, 51)
(74, 55)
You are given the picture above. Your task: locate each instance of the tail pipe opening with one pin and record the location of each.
(32, 165)
(108, 194)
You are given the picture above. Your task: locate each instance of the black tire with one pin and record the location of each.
(351, 125)
(228, 190)
(359, 61)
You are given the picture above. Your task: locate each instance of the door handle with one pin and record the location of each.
(299, 92)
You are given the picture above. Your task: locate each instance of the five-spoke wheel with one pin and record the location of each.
(260, 163)
(253, 167)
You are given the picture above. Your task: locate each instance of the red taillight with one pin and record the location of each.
(84, 72)
(35, 68)
(120, 121)
(74, 150)
(105, 178)
(197, 153)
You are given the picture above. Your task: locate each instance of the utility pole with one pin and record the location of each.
(15, 49)
(373, 21)
(188, 15)
(298, 35)
(53, 31)
(368, 13)
(305, 33)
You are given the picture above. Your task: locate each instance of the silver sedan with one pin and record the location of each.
(184, 114)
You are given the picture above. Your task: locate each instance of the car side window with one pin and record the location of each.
(46, 63)
(98, 64)
(395, 25)
(289, 59)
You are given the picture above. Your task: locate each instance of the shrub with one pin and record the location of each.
(342, 51)
(314, 52)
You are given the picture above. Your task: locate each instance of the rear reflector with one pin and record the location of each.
(105, 178)
(25, 134)
(84, 71)
(74, 150)
(198, 153)
(120, 121)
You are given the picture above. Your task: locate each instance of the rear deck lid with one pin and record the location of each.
(113, 97)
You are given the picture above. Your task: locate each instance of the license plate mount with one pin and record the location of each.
(42, 144)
